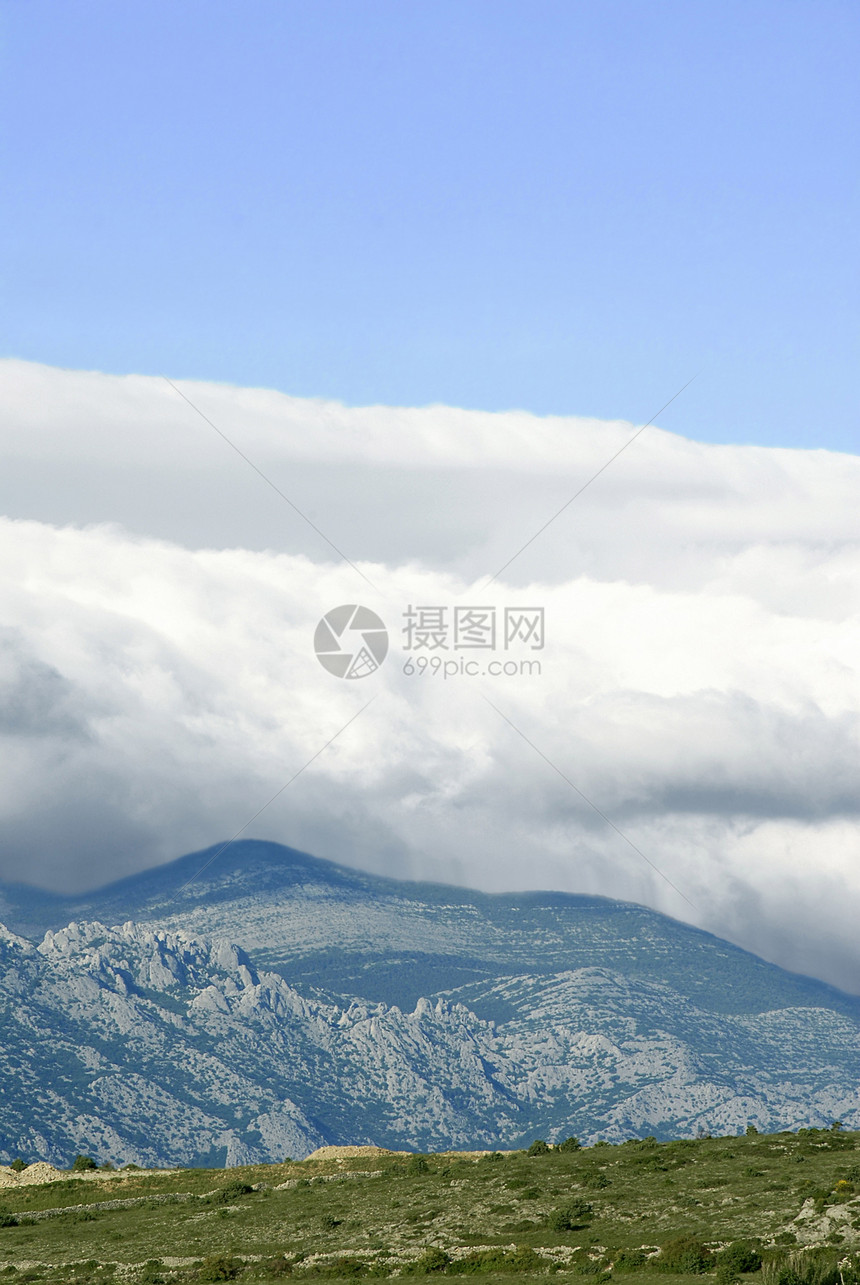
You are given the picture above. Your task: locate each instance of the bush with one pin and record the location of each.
(583, 1264)
(228, 1193)
(570, 1144)
(277, 1267)
(521, 1259)
(630, 1260)
(737, 1259)
(152, 1273)
(18, 1164)
(538, 1148)
(418, 1164)
(686, 1256)
(569, 1216)
(346, 1266)
(217, 1267)
(83, 1164)
(8, 1220)
(432, 1260)
(595, 1180)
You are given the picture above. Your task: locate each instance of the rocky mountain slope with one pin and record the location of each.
(351, 1009)
(391, 940)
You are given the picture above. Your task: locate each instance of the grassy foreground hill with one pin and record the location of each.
(780, 1209)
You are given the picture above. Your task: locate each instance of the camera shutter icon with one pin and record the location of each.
(351, 641)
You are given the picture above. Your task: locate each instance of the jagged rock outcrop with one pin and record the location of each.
(138, 1043)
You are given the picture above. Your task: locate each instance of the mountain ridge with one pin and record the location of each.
(279, 1003)
(140, 1045)
(249, 893)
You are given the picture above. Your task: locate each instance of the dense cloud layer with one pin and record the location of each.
(698, 683)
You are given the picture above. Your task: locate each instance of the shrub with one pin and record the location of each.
(152, 1273)
(570, 1144)
(736, 1259)
(418, 1164)
(686, 1256)
(630, 1260)
(276, 1267)
(432, 1260)
(751, 1131)
(521, 1259)
(538, 1148)
(217, 1267)
(524, 1259)
(567, 1217)
(329, 1222)
(229, 1192)
(8, 1220)
(595, 1180)
(18, 1164)
(82, 1164)
(584, 1265)
(348, 1265)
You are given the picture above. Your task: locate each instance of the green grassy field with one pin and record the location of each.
(778, 1209)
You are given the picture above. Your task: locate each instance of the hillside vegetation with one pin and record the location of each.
(780, 1209)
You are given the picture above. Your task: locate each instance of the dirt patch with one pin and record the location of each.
(351, 1153)
(38, 1172)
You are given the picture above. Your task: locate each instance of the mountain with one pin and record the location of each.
(278, 1002)
(339, 929)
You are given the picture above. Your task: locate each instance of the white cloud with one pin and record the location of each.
(699, 680)
(445, 488)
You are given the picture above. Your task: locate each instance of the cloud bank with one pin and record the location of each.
(698, 682)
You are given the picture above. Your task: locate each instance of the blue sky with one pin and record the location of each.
(565, 207)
